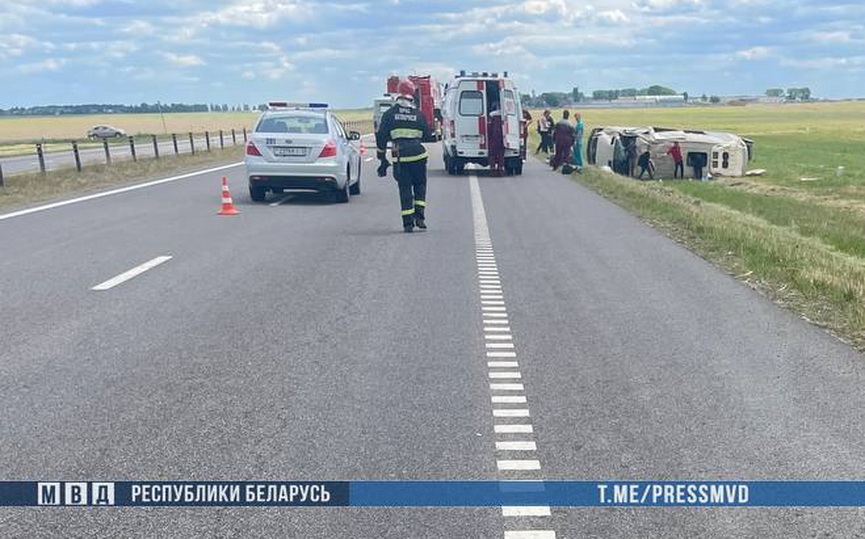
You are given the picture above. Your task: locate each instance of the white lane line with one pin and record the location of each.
(530, 534)
(531, 511)
(503, 365)
(280, 201)
(507, 387)
(513, 429)
(505, 375)
(498, 345)
(114, 192)
(518, 464)
(134, 272)
(508, 399)
(511, 413)
(516, 446)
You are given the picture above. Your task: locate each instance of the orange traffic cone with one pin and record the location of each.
(227, 204)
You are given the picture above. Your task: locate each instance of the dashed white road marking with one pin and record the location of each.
(513, 429)
(529, 511)
(517, 465)
(508, 399)
(509, 412)
(505, 375)
(134, 272)
(499, 346)
(516, 446)
(507, 387)
(530, 534)
(503, 364)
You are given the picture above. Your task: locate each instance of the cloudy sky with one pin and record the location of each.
(249, 51)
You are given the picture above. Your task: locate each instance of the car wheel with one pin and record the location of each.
(355, 188)
(344, 195)
(257, 194)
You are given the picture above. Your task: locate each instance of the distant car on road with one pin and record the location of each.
(302, 147)
(105, 131)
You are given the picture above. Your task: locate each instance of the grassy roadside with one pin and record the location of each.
(26, 189)
(796, 234)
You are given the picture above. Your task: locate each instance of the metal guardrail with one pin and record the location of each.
(131, 148)
(153, 146)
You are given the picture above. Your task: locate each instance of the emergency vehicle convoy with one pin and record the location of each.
(469, 100)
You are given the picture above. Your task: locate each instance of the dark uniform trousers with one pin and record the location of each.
(411, 178)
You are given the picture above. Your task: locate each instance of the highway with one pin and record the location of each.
(119, 149)
(305, 339)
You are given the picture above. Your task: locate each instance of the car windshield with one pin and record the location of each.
(303, 124)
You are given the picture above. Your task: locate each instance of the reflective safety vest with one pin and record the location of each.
(406, 128)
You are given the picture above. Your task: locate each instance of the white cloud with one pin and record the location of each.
(754, 53)
(49, 64)
(258, 13)
(183, 60)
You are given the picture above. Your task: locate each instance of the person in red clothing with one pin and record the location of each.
(675, 152)
(495, 134)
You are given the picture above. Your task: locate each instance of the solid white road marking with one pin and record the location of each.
(505, 329)
(513, 429)
(516, 446)
(134, 272)
(280, 201)
(114, 192)
(531, 511)
(518, 464)
(498, 337)
(499, 345)
(489, 322)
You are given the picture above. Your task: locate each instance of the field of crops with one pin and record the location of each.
(37, 128)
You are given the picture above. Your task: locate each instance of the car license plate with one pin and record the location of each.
(289, 151)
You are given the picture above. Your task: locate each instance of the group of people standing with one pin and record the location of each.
(563, 138)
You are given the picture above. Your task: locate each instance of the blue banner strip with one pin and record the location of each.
(435, 493)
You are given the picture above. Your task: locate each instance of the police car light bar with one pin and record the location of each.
(287, 105)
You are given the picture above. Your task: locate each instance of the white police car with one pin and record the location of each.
(302, 147)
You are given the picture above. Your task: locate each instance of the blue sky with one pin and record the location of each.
(249, 51)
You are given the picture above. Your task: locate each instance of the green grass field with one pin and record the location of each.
(797, 233)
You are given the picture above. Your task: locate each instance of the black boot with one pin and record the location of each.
(420, 223)
(408, 227)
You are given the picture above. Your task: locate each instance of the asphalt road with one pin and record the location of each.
(119, 150)
(306, 339)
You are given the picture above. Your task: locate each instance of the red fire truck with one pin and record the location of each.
(428, 97)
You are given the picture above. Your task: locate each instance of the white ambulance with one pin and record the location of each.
(467, 103)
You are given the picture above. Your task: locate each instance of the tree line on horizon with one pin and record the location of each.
(142, 108)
